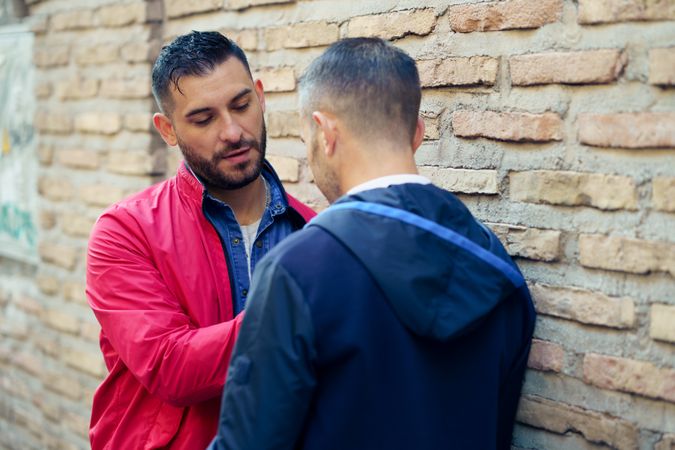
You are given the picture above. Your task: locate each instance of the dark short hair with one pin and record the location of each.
(193, 54)
(367, 82)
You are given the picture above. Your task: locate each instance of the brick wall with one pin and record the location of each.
(553, 120)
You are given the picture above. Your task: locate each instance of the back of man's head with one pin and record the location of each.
(369, 84)
(193, 54)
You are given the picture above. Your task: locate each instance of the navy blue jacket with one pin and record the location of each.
(395, 320)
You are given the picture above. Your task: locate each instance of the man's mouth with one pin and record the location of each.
(239, 155)
(238, 152)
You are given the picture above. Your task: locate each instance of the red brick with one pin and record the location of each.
(76, 88)
(626, 254)
(141, 51)
(125, 14)
(466, 181)
(52, 122)
(138, 87)
(667, 442)
(393, 25)
(97, 54)
(283, 124)
(505, 126)
(584, 306)
(628, 130)
(431, 124)
(584, 67)
(603, 191)
(61, 321)
(280, 79)
(101, 195)
(138, 121)
(546, 356)
(531, 243)
(58, 254)
(300, 35)
(288, 169)
(504, 15)
(90, 331)
(43, 90)
(608, 11)
(134, 163)
(45, 155)
(76, 224)
(28, 304)
(48, 345)
(28, 362)
(662, 322)
(663, 193)
(461, 71)
(246, 38)
(662, 66)
(177, 8)
(62, 384)
(85, 361)
(628, 375)
(48, 285)
(55, 188)
(594, 426)
(72, 20)
(51, 56)
(37, 23)
(74, 292)
(78, 159)
(98, 122)
(77, 423)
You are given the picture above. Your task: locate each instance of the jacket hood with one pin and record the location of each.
(440, 269)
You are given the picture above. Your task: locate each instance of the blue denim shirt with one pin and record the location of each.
(276, 224)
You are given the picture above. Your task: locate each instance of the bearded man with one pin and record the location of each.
(169, 268)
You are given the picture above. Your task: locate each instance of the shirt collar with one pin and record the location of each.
(389, 180)
(278, 202)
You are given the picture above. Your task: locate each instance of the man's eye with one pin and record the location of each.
(241, 107)
(203, 121)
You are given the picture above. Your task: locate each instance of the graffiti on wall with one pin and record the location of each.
(18, 162)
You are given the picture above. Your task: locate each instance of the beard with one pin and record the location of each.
(236, 177)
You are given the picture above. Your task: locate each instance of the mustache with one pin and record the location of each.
(222, 153)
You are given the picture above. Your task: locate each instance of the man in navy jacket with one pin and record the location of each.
(394, 320)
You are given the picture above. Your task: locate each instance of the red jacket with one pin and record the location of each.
(157, 281)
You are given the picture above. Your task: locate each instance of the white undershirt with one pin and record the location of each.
(389, 180)
(249, 233)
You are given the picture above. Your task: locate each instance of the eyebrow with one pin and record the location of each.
(239, 95)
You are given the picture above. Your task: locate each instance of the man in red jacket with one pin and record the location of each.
(169, 268)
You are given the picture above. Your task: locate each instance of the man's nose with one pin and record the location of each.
(231, 131)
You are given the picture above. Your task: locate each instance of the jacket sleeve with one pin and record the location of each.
(145, 323)
(271, 378)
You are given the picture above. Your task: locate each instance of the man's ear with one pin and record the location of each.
(165, 128)
(260, 92)
(419, 134)
(328, 127)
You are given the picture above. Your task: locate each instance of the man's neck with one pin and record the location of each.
(248, 202)
(376, 168)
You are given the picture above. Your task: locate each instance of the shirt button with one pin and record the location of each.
(244, 292)
(235, 241)
(278, 206)
(258, 244)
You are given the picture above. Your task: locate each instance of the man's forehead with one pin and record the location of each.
(226, 81)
